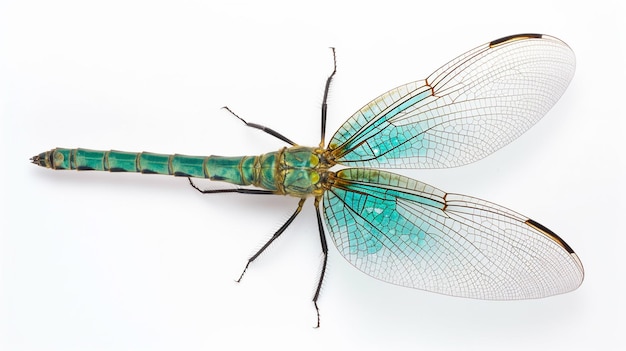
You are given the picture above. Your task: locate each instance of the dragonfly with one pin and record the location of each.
(389, 226)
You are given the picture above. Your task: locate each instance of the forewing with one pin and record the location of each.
(464, 111)
(409, 233)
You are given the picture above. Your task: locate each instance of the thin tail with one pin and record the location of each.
(121, 161)
(240, 170)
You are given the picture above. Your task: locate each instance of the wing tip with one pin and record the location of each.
(557, 239)
(579, 263)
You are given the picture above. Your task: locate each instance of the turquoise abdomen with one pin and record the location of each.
(241, 170)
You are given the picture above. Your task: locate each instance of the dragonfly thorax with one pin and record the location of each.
(300, 171)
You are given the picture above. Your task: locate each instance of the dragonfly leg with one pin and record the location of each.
(324, 104)
(267, 130)
(235, 190)
(274, 237)
(324, 259)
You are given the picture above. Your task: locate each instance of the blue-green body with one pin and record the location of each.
(395, 228)
(291, 171)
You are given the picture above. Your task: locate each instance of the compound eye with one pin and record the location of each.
(314, 161)
(314, 177)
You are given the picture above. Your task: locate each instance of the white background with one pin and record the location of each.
(98, 261)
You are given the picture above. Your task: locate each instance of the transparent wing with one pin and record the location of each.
(464, 111)
(405, 232)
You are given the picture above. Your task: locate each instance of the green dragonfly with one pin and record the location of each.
(392, 227)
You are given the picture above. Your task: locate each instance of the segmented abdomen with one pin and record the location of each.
(240, 170)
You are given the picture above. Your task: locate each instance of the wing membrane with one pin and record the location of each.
(409, 233)
(464, 111)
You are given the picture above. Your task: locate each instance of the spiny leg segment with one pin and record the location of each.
(267, 130)
(259, 192)
(320, 228)
(274, 237)
(324, 104)
(234, 190)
